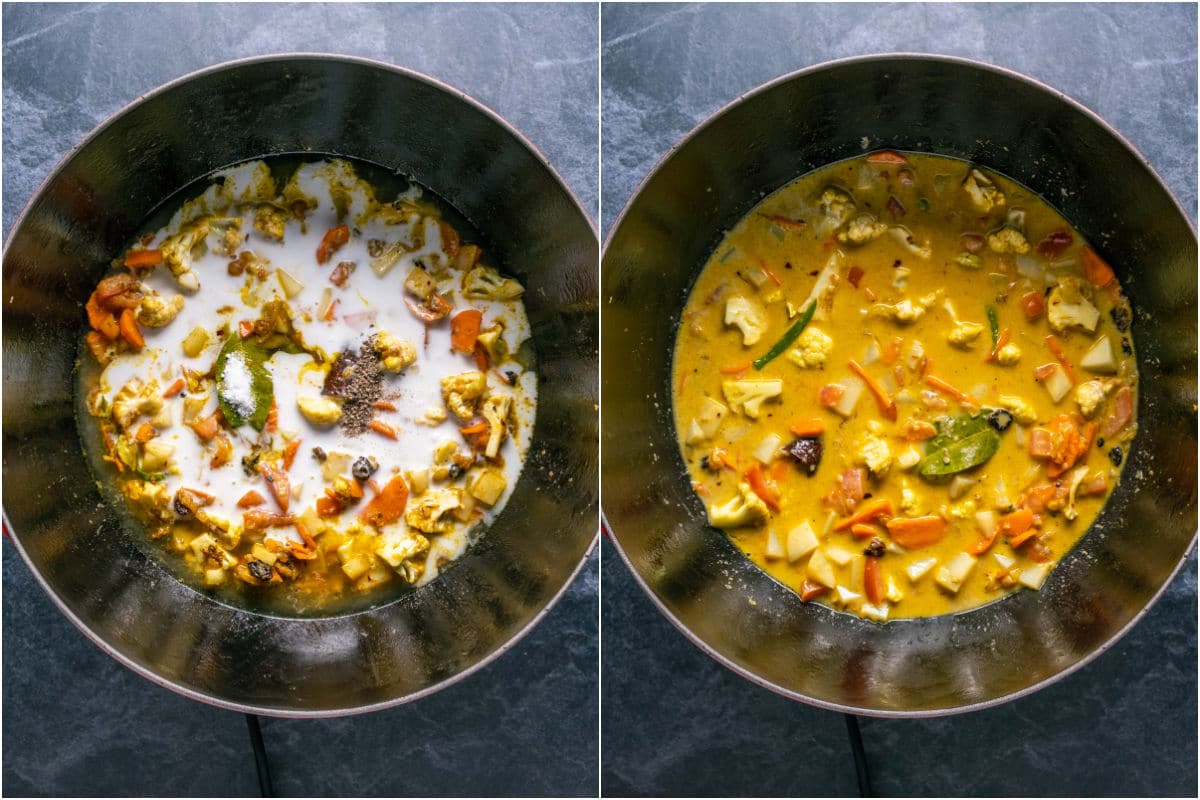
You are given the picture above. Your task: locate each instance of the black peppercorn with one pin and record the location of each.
(364, 467)
(875, 549)
(1115, 456)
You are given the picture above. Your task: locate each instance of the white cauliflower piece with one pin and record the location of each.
(1089, 395)
(1008, 355)
(1021, 410)
(396, 546)
(1008, 240)
(463, 391)
(748, 394)
(837, 206)
(983, 193)
(154, 312)
(485, 283)
(906, 311)
(270, 221)
(420, 284)
(910, 504)
(964, 334)
(743, 509)
(395, 353)
(747, 316)
(1067, 306)
(182, 248)
(812, 349)
(228, 231)
(873, 453)
(429, 513)
(1075, 478)
(156, 455)
(496, 410)
(862, 229)
(135, 399)
(493, 342)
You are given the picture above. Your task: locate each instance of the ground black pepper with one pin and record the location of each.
(356, 379)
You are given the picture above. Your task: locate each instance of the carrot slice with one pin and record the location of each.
(130, 330)
(272, 417)
(983, 544)
(873, 580)
(875, 508)
(382, 428)
(916, 531)
(174, 389)
(1033, 304)
(722, 457)
(145, 433)
(329, 506)
(250, 499)
(1056, 348)
(810, 589)
(279, 484)
(886, 157)
(464, 330)
(470, 430)
(1018, 521)
(101, 319)
(761, 487)
(1001, 340)
(245, 328)
(1122, 411)
(734, 369)
(830, 395)
(383, 405)
(481, 357)
(809, 426)
(309, 551)
(257, 520)
(331, 242)
(207, 427)
(140, 259)
(387, 506)
(1022, 538)
(863, 531)
(949, 390)
(289, 453)
(1094, 267)
(887, 406)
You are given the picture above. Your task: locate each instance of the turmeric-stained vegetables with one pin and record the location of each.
(785, 341)
(387, 506)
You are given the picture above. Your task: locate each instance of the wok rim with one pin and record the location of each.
(610, 534)
(10, 531)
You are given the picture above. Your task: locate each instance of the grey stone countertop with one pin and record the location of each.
(78, 723)
(674, 722)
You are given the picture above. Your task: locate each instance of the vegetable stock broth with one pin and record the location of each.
(904, 385)
(308, 384)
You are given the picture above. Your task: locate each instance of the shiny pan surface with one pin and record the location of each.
(697, 577)
(81, 218)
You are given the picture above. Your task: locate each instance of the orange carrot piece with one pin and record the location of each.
(387, 506)
(1001, 340)
(916, 531)
(470, 430)
(1056, 348)
(464, 330)
(873, 580)
(811, 589)
(1018, 521)
(868, 511)
(1095, 269)
(328, 315)
(481, 357)
(130, 330)
(761, 487)
(383, 405)
(809, 426)
(331, 242)
(207, 427)
(309, 551)
(734, 369)
(250, 499)
(890, 157)
(946, 389)
(144, 433)
(887, 406)
(279, 484)
(1022, 538)
(775, 279)
(101, 319)
(329, 506)
(983, 544)
(860, 530)
(174, 389)
(382, 428)
(245, 328)
(140, 259)
(257, 520)
(289, 453)
(830, 395)
(1033, 304)
(729, 463)
(890, 353)
(272, 417)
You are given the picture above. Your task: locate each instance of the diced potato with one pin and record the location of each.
(846, 596)
(291, 286)
(214, 577)
(695, 434)
(1033, 577)
(820, 569)
(263, 554)
(335, 464)
(853, 390)
(858, 566)
(878, 613)
(768, 448)
(319, 410)
(919, 569)
(156, 454)
(710, 416)
(951, 576)
(908, 458)
(774, 547)
(986, 520)
(891, 590)
(1100, 358)
(801, 541)
(960, 486)
(839, 555)
(1004, 561)
(487, 485)
(1057, 384)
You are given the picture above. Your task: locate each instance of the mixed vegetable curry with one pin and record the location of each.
(303, 389)
(905, 386)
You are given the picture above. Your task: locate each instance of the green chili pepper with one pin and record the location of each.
(994, 321)
(922, 204)
(786, 340)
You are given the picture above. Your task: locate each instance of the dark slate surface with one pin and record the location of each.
(676, 723)
(75, 722)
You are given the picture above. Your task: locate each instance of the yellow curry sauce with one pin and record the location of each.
(952, 418)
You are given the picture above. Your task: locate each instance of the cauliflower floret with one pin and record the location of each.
(135, 399)
(983, 193)
(179, 250)
(493, 342)
(745, 508)
(1021, 410)
(229, 233)
(906, 311)
(964, 334)
(156, 455)
(1008, 355)
(496, 410)
(1008, 240)
(270, 221)
(462, 392)
(320, 411)
(812, 348)
(910, 504)
(873, 453)
(152, 499)
(395, 353)
(154, 312)
(1067, 306)
(429, 513)
(485, 283)
(433, 416)
(748, 394)
(837, 206)
(862, 229)
(1075, 478)
(1089, 395)
(420, 284)
(395, 546)
(748, 316)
